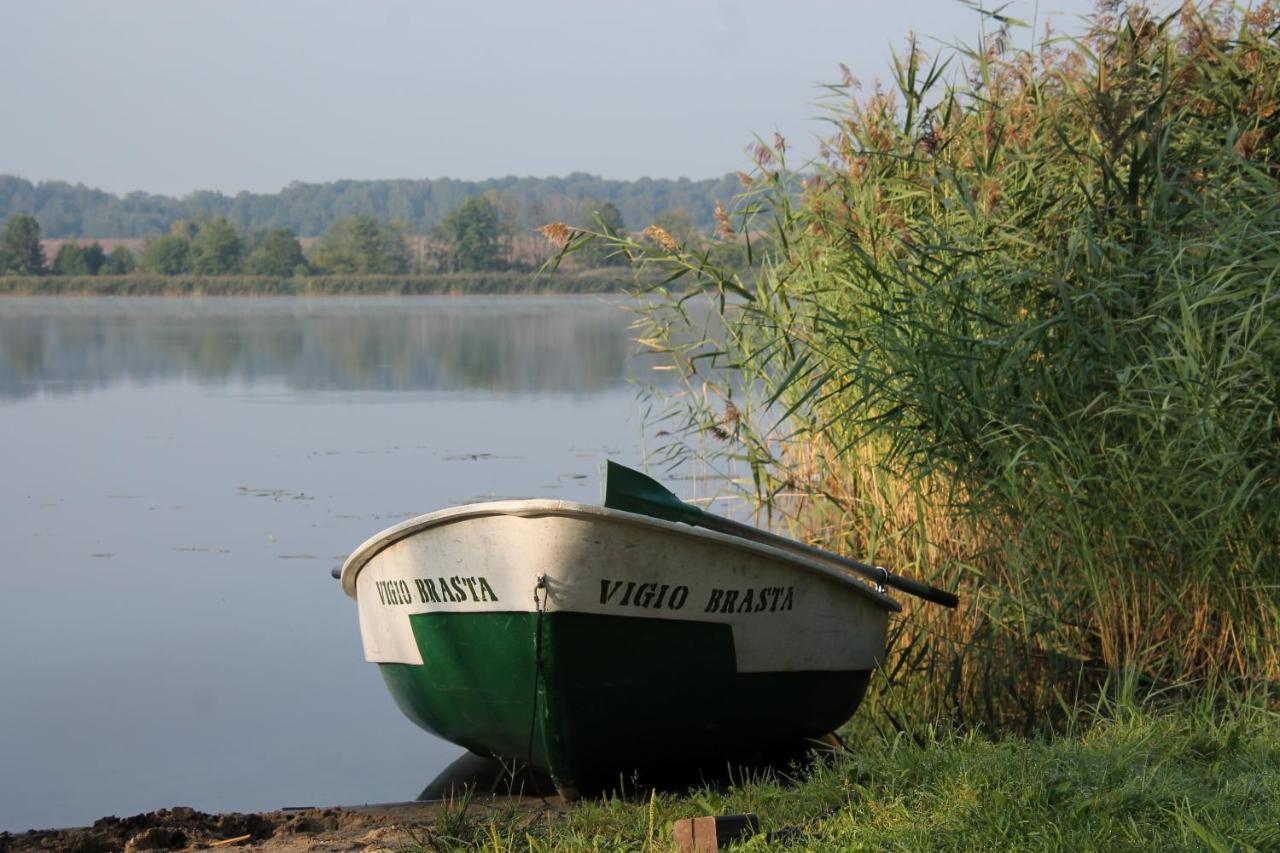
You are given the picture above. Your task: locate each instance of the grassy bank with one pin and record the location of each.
(1138, 781)
(587, 281)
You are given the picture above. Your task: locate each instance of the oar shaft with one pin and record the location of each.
(632, 491)
(875, 573)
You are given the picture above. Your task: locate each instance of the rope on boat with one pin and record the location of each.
(539, 606)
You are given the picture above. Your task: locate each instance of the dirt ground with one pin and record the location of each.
(384, 827)
(484, 782)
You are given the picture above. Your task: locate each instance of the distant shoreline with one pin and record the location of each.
(434, 284)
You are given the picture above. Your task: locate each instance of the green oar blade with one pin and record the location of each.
(631, 491)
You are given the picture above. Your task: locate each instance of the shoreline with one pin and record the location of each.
(1187, 776)
(384, 826)
(433, 284)
(470, 782)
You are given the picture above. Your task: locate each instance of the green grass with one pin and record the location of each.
(1135, 781)
(587, 281)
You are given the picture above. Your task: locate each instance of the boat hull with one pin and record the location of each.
(596, 645)
(671, 701)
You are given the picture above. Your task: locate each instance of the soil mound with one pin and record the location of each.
(188, 829)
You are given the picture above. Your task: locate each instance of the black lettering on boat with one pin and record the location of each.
(406, 597)
(444, 589)
(608, 589)
(486, 591)
(378, 586)
(459, 594)
(471, 585)
(422, 590)
(431, 591)
(644, 594)
(750, 600)
(652, 596)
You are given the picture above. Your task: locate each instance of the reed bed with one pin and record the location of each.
(1018, 332)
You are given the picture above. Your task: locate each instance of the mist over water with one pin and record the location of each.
(179, 477)
(572, 345)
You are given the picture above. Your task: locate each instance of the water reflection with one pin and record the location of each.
(173, 634)
(558, 344)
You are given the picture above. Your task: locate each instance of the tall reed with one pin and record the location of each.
(1018, 331)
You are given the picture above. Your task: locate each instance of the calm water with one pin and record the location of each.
(177, 479)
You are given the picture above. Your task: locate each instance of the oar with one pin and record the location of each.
(631, 491)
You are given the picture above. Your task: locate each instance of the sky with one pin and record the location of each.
(171, 96)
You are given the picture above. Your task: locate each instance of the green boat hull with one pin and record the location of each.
(612, 698)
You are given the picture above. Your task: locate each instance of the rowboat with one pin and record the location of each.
(595, 644)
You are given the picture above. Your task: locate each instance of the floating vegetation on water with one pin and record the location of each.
(275, 494)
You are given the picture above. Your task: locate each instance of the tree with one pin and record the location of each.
(94, 257)
(74, 259)
(607, 219)
(70, 260)
(362, 245)
(473, 230)
(168, 255)
(120, 261)
(185, 228)
(680, 224)
(68, 211)
(278, 254)
(20, 249)
(216, 249)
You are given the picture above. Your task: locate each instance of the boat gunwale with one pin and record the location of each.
(536, 507)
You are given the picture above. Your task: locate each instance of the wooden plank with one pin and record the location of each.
(703, 834)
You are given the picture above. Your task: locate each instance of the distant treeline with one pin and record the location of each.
(308, 210)
(475, 237)
(481, 235)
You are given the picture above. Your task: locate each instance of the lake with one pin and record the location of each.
(180, 476)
